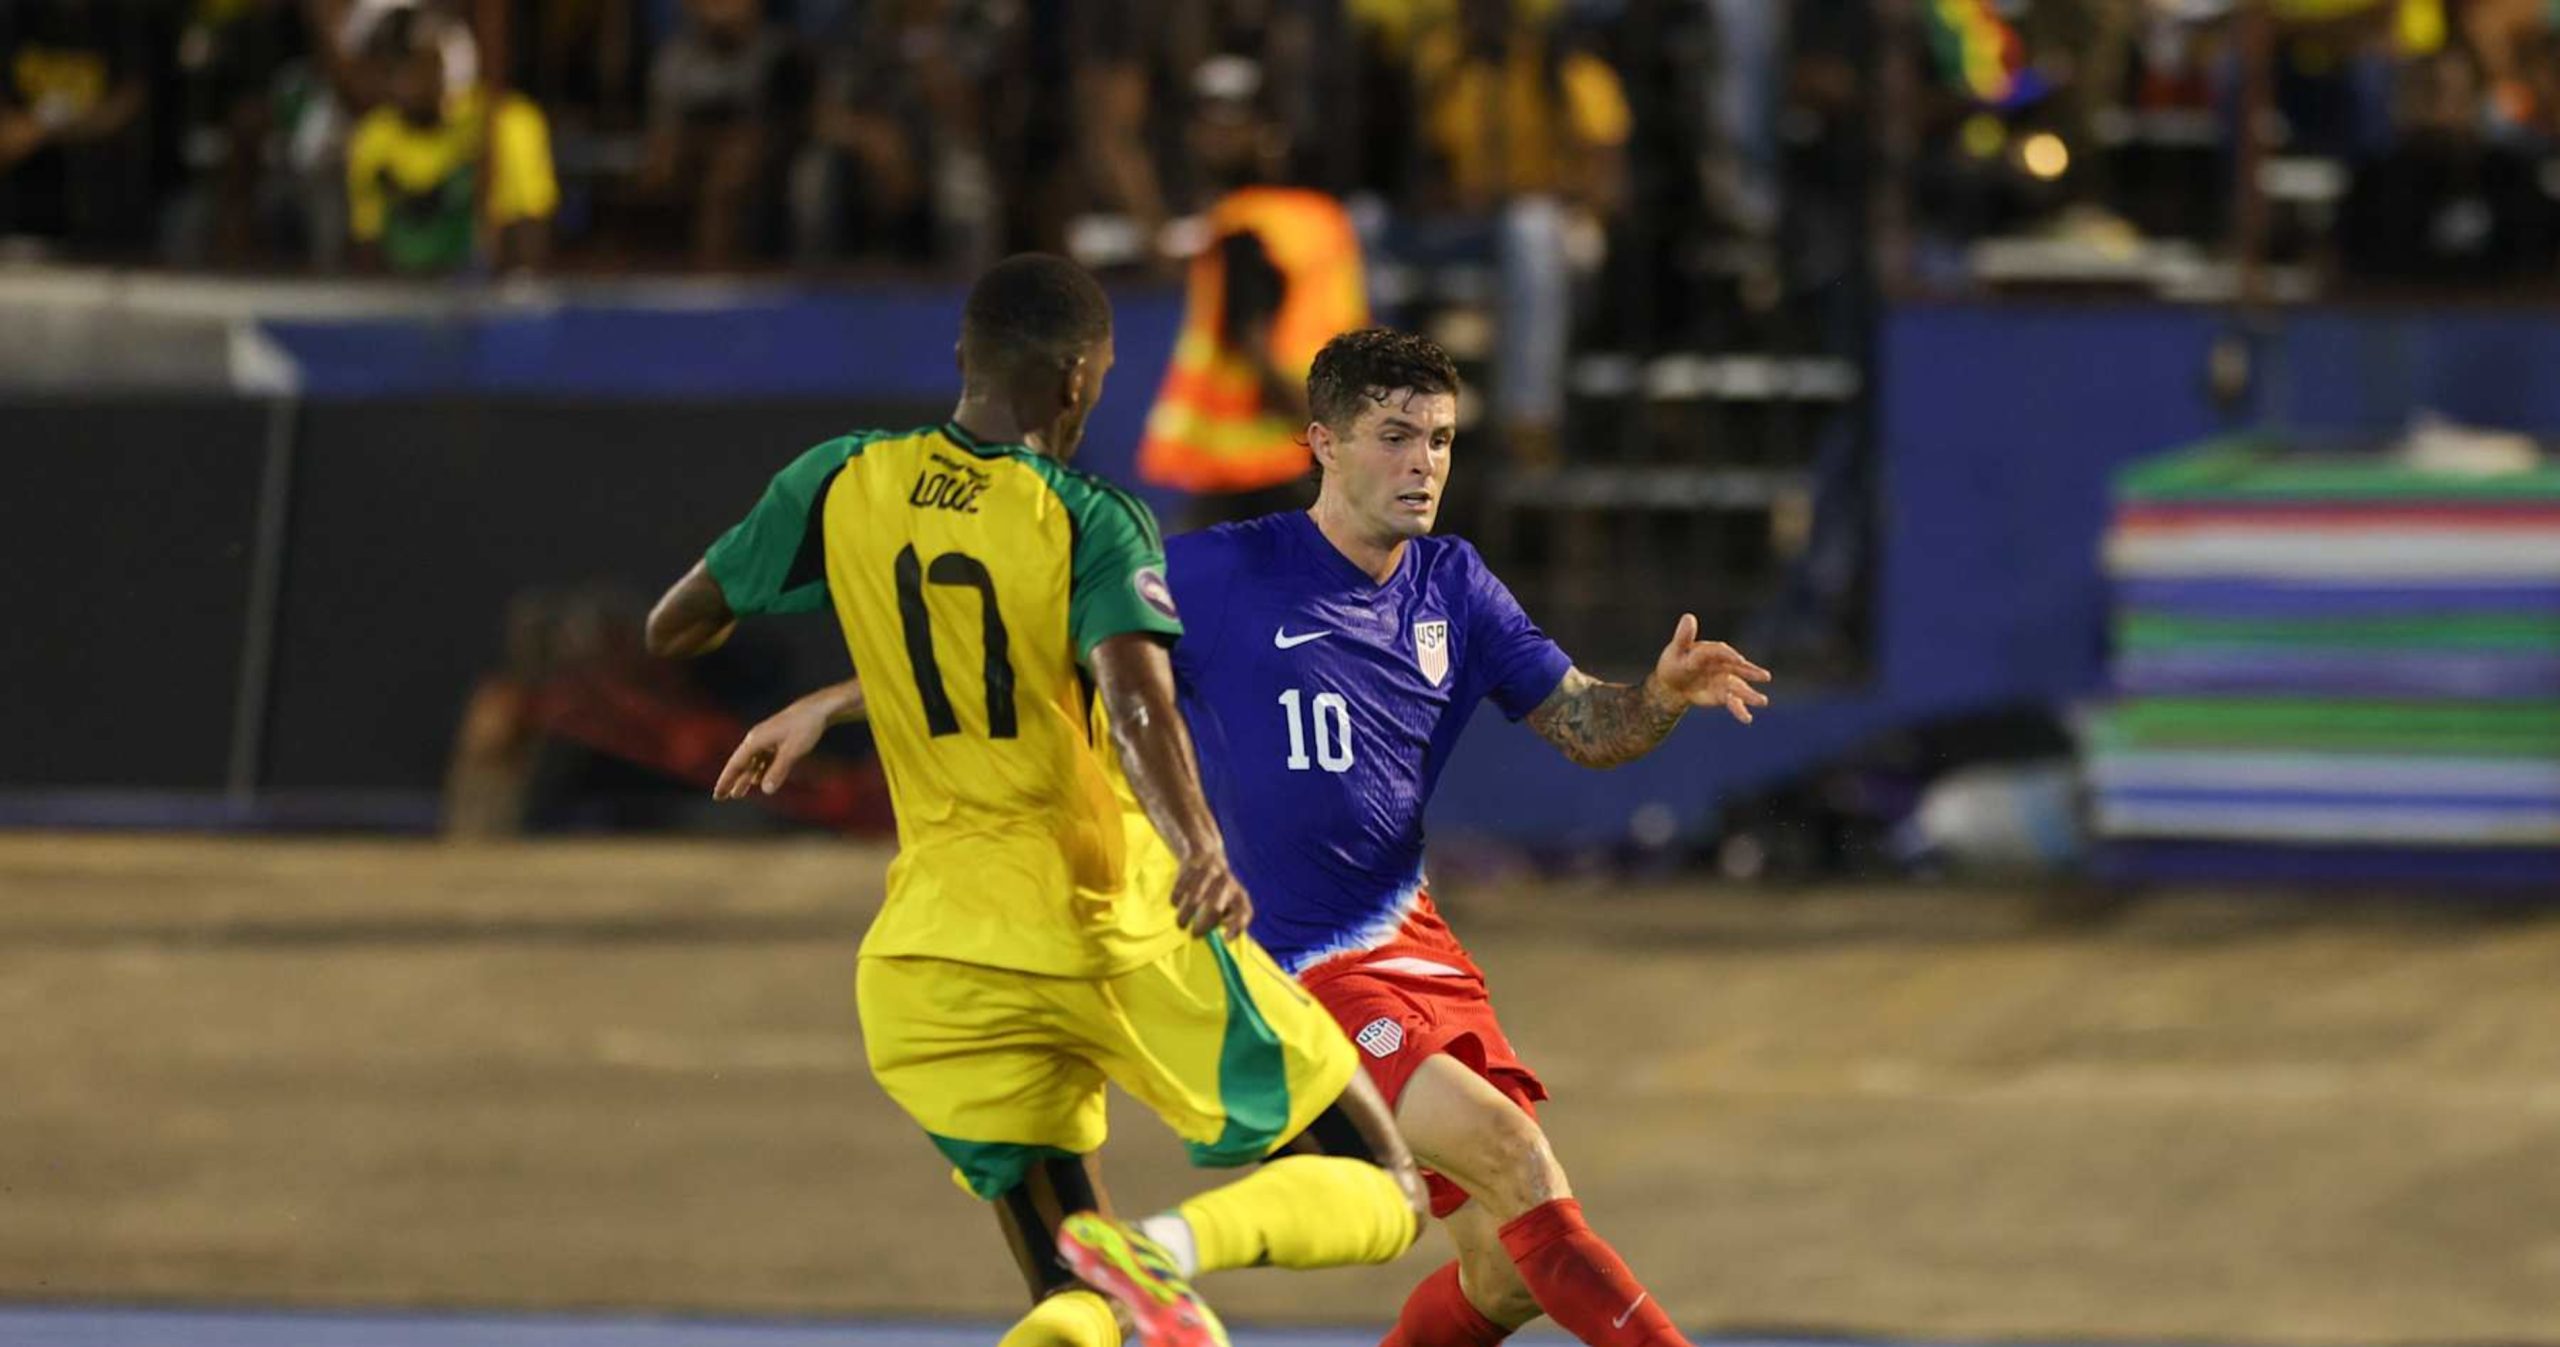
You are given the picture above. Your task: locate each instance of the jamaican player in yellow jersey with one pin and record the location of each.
(1060, 914)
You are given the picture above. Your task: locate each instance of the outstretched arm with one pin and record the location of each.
(1134, 675)
(1601, 724)
(764, 759)
(692, 617)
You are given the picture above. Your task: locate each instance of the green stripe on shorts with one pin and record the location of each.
(992, 1168)
(1253, 1076)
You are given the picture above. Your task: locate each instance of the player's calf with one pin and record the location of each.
(1344, 1191)
(1298, 1211)
(1442, 1312)
(1487, 1277)
(1360, 1126)
(1469, 1131)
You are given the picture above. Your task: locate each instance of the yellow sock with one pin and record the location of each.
(1302, 1211)
(1068, 1319)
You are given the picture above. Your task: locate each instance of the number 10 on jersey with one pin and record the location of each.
(1332, 717)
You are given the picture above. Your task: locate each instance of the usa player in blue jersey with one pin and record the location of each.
(1330, 661)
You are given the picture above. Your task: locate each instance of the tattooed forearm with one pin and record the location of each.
(1602, 724)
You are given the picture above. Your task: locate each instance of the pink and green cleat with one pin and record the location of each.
(1116, 1260)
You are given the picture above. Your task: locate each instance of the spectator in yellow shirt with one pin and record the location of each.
(1529, 136)
(416, 165)
(1509, 112)
(1525, 139)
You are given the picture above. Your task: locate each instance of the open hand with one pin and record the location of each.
(1706, 673)
(764, 759)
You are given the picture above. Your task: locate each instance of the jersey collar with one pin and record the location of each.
(1339, 566)
(954, 432)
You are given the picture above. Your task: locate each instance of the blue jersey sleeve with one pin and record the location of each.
(1510, 660)
(1195, 567)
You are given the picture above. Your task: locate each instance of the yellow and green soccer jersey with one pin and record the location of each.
(410, 188)
(973, 582)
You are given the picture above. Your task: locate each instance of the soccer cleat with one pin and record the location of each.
(1116, 1260)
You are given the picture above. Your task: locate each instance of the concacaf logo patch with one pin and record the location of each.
(1380, 1037)
(1153, 589)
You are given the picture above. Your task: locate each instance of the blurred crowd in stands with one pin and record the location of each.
(2406, 140)
(2413, 137)
(745, 134)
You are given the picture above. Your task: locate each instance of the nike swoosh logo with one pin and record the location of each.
(1621, 1320)
(1285, 641)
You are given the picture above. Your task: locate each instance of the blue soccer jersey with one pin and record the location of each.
(1325, 704)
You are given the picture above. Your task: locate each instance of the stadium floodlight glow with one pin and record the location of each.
(2045, 156)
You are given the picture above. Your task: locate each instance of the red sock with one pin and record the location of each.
(1438, 1314)
(1581, 1282)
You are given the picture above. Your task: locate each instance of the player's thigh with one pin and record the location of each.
(1231, 1052)
(1462, 1126)
(983, 1061)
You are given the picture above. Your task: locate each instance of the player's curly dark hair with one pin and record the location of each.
(1032, 306)
(1364, 367)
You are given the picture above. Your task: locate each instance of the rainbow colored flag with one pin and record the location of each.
(1977, 51)
(2330, 667)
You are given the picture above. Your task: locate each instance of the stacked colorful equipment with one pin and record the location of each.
(2331, 668)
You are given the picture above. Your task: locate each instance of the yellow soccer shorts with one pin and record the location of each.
(1004, 1069)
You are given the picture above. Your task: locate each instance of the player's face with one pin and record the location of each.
(1393, 464)
(1083, 390)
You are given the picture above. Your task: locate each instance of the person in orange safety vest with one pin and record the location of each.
(1280, 276)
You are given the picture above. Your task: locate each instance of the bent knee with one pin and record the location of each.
(1514, 1168)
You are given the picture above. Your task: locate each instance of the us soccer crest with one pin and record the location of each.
(1431, 649)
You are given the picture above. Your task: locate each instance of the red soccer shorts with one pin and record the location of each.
(1399, 1019)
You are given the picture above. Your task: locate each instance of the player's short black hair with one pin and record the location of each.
(1364, 367)
(1032, 306)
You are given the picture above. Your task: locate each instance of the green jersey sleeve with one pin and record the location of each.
(1118, 585)
(775, 559)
